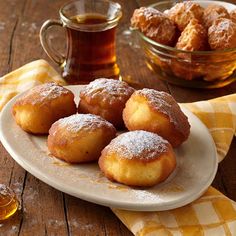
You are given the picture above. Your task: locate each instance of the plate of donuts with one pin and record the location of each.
(193, 169)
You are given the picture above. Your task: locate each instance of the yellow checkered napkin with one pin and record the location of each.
(26, 77)
(213, 214)
(219, 115)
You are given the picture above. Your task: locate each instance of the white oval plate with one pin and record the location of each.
(195, 171)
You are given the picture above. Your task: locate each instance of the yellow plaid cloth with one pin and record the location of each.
(213, 214)
(219, 115)
(26, 77)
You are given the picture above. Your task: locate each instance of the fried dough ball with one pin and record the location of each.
(80, 137)
(193, 38)
(107, 98)
(138, 158)
(233, 15)
(155, 25)
(213, 12)
(41, 106)
(222, 34)
(157, 112)
(182, 13)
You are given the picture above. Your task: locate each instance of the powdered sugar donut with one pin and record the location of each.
(41, 106)
(138, 158)
(157, 112)
(80, 137)
(106, 98)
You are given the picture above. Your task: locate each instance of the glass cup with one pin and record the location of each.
(90, 27)
(8, 202)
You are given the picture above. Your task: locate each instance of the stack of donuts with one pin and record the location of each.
(142, 155)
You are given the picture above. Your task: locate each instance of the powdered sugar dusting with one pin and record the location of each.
(88, 122)
(45, 92)
(107, 89)
(165, 103)
(138, 144)
(52, 91)
(150, 12)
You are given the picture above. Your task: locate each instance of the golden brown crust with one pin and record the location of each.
(107, 98)
(193, 37)
(80, 137)
(222, 34)
(212, 13)
(155, 25)
(156, 112)
(138, 158)
(41, 106)
(182, 13)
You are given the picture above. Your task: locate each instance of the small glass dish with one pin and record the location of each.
(8, 202)
(198, 69)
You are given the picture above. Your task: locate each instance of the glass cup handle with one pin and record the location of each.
(52, 53)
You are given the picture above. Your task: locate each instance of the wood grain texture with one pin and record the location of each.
(44, 210)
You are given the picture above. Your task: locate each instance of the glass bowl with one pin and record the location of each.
(198, 69)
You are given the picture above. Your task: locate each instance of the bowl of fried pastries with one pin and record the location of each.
(189, 43)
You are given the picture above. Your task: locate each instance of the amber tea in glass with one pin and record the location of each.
(91, 29)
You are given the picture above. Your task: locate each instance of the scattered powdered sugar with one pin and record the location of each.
(77, 122)
(14, 228)
(2, 25)
(31, 195)
(165, 103)
(138, 144)
(56, 223)
(4, 191)
(32, 29)
(146, 195)
(84, 226)
(107, 89)
(18, 188)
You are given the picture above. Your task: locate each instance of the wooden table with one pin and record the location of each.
(46, 211)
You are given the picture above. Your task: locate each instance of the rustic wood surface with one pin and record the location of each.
(44, 210)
